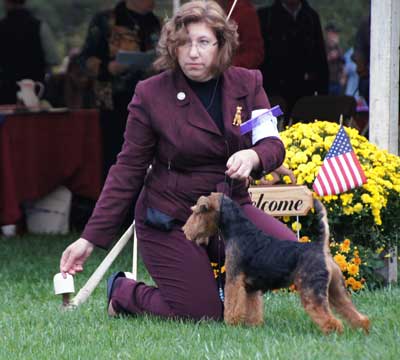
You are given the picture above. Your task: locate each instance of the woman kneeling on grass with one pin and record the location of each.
(180, 122)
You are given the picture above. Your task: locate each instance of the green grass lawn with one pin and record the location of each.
(33, 327)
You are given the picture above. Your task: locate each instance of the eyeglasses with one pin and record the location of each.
(201, 45)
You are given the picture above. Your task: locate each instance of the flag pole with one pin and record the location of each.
(341, 120)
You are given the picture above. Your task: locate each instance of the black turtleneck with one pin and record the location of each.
(209, 93)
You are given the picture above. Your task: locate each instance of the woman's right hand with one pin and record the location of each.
(75, 255)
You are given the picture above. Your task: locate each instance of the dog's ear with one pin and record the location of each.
(203, 204)
(215, 200)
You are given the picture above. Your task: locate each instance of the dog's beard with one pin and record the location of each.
(199, 238)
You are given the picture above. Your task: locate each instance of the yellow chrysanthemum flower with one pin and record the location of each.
(379, 250)
(353, 269)
(341, 261)
(296, 226)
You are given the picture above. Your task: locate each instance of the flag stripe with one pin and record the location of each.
(317, 187)
(340, 170)
(327, 187)
(339, 175)
(347, 171)
(359, 168)
(320, 185)
(331, 177)
(353, 169)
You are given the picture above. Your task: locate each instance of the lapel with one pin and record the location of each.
(192, 109)
(194, 112)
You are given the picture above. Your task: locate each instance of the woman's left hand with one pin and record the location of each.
(242, 163)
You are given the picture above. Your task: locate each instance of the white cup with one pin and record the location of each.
(63, 286)
(9, 230)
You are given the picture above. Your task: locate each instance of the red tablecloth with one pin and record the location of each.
(39, 152)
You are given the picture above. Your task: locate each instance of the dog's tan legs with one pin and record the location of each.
(255, 309)
(318, 309)
(340, 300)
(235, 300)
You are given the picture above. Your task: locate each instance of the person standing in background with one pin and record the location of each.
(361, 55)
(335, 58)
(350, 70)
(28, 49)
(130, 26)
(250, 53)
(295, 62)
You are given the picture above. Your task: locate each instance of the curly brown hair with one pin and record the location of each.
(174, 34)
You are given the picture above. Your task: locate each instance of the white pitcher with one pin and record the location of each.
(30, 92)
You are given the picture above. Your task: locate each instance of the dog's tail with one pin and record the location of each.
(323, 226)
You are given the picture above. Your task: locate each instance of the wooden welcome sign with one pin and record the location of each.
(282, 200)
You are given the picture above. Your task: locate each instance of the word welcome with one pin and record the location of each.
(282, 200)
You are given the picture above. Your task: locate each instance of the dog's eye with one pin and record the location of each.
(203, 208)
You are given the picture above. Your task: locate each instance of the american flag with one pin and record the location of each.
(341, 170)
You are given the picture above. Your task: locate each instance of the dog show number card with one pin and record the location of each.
(282, 200)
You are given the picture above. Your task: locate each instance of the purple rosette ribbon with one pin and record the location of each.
(252, 123)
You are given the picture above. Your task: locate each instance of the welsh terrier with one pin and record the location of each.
(256, 262)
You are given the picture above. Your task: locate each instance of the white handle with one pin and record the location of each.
(41, 89)
(98, 274)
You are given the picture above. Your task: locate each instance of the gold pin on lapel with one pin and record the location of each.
(237, 120)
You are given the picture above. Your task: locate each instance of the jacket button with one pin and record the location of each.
(181, 96)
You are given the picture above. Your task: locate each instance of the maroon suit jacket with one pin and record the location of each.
(187, 151)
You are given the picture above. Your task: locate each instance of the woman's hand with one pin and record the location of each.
(75, 255)
(115, 68)
(242, 163)
(93, 66)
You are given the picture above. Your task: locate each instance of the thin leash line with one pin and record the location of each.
(220, 285)
(213, 94)
(231, 10)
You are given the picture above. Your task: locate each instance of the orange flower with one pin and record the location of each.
(304, 239)
(350, 281)
(341, 261)
(356, 286)
(353, 269)
(345, 247)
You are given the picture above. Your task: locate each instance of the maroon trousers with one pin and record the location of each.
(186, 287)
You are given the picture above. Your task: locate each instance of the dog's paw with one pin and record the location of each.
(332, 325)
(365, 324)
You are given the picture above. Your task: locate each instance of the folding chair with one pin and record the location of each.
(282, 120)
(324, 107)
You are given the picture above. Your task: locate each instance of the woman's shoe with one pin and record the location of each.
(110, 289)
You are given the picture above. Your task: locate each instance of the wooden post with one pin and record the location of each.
(384, 89)
(389, 269)
(384, 74)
